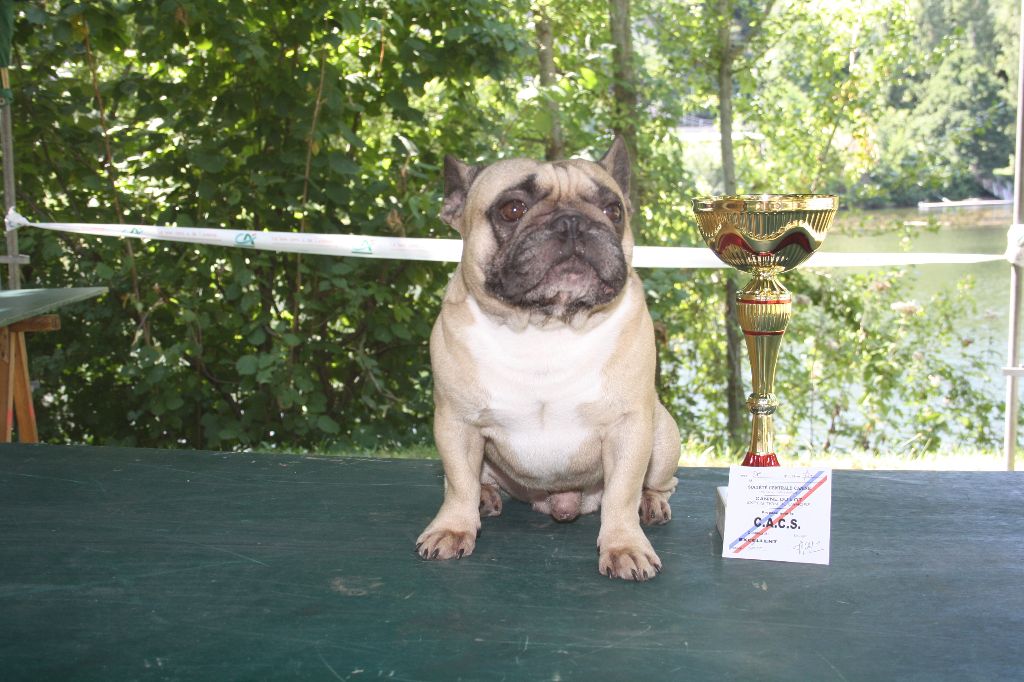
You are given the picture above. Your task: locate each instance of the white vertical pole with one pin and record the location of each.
(7, 145)
(1013, 342)
(1013, 356)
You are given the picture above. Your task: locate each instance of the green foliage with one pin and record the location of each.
(210, 111)
(951, 115)
(322, 117)
(870, 369)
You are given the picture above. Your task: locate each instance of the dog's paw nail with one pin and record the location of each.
(435, 553)
(636, 576)
(462, 553)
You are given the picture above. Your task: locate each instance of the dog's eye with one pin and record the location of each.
(512, 211)
(614, 211)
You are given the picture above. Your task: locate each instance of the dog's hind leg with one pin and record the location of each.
(490, 499)
(660, 481)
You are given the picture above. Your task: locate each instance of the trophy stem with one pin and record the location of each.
(764, 308)
(764, 234)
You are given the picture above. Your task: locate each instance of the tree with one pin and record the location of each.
(624, 81)
(217, 117)
(554, 148)
(329, 118)
(950, 121)
(727, 52)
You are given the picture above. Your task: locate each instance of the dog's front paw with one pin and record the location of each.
(654, 508)
(629, 557)
(444, 543)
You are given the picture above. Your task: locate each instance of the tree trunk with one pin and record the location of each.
(736, 419)
(624, 87)
(725, 64)
(737, 422)
(554, 146)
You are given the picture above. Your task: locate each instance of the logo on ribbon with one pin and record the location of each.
(245, 239)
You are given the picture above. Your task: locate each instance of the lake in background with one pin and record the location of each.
(959, 230)
(948, 230)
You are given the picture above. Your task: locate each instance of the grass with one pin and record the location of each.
(697, 455)
(956, 460)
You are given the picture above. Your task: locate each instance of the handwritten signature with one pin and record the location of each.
(805, 547)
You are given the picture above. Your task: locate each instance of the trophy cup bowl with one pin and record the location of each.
(765, 235)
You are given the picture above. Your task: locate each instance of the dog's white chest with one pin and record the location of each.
(537, 381)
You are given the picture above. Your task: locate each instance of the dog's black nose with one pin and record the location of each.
(567, 226)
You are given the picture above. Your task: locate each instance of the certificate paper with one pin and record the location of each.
(778, 514)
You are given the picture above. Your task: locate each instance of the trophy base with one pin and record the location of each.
(722, 492)
(721, 498)
(760, 460)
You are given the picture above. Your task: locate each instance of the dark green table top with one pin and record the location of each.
(120, 564)
(21, 304)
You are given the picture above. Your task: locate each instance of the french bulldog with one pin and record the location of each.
(543, 360)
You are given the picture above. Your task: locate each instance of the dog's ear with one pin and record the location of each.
(616, 162)
(458, 177)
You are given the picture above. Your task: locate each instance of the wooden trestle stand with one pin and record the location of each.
(15, 386)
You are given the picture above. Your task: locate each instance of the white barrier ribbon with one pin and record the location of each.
(450, 250)
(874, 260)
(288, 242)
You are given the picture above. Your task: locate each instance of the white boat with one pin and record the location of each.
(963, 203)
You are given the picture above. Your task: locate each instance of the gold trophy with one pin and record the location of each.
(765, 235)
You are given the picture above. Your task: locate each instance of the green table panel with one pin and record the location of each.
(120, 564)
(21, 304)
